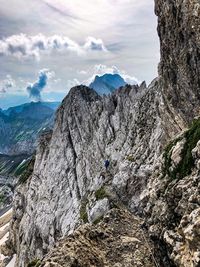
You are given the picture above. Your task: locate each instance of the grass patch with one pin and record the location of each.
(21, 168)
(101, 193)
(184, 168)
(2, 198)
(130, 158)
(83, 211)
(34, 263)
(26, 173)
(98, 220)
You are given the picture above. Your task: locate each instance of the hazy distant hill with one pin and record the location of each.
(31, 107)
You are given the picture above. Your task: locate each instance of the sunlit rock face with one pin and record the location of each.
(70, 161)
(179, 31)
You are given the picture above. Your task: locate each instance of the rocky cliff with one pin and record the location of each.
(69, 185)
(70, 162)
(171, 202)
(179, 32)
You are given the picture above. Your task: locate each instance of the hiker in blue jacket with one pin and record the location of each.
(106, 164)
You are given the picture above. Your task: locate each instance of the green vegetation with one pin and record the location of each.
(2, 198)
(83, 211)
(184, 168)
(13, 165)
(101, 193)
(21, 168)
(98, 220)
(1, 168)
(27, 171)
(130, 158)
(34, 263)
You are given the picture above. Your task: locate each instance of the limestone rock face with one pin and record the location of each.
(70, 161)
(172, 203)
(179, 32)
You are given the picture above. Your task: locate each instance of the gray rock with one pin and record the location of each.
(99, 210)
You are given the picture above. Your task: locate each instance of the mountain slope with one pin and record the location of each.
(31, 105)
(20, 126)
(11, 167)
(107, 83)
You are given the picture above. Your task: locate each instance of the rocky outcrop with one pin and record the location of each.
(179, 32)
(172, 199)
(116, 241)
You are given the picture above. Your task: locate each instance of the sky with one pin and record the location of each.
(49, 46)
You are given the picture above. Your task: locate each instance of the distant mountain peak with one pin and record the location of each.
(107, 83)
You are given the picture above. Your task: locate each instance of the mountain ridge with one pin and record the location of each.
(19, 108)
(21, 125)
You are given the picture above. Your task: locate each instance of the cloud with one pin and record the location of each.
(72, 83)
(94, 44)
(36, 88)
(7, 84)
(59, 9)
(24, 46)
(82, 72)
(102, 69)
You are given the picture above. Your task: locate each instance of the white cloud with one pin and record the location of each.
(24, 46)
(72, 83)
(93, 44)
(82, 72)
(7, 84)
